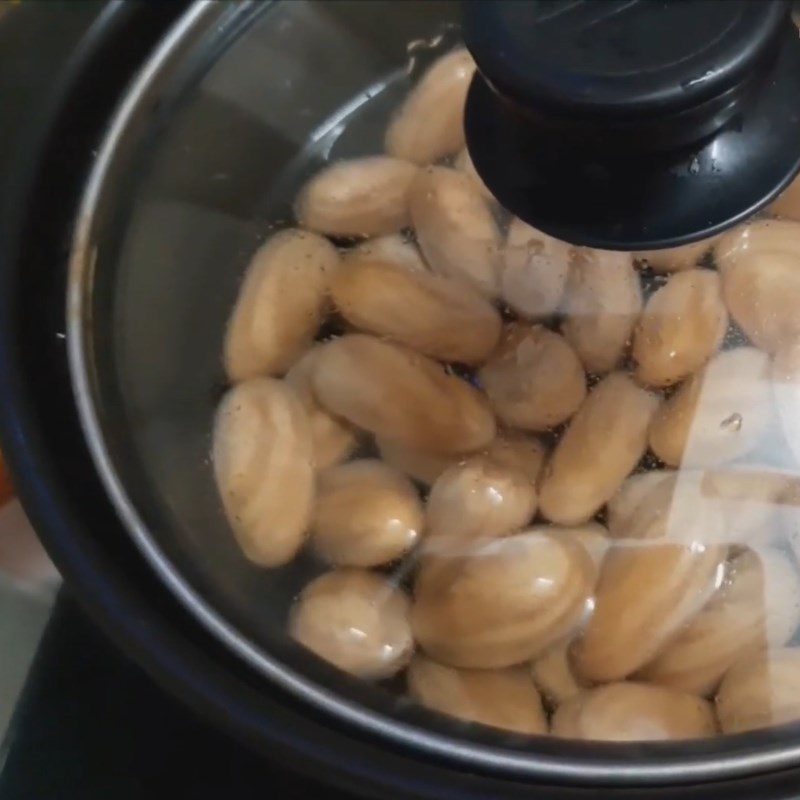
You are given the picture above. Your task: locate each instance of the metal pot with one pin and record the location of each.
(232, 99)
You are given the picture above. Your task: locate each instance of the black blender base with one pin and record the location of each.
(91, 724)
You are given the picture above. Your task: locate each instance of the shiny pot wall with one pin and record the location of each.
(176, 203)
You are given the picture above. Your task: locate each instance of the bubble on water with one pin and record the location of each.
(421, 52)
(733, 423)
(424, 44)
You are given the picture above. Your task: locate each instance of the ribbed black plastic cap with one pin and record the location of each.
(632, 125)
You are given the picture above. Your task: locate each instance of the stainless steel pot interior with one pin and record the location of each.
(236, 107)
